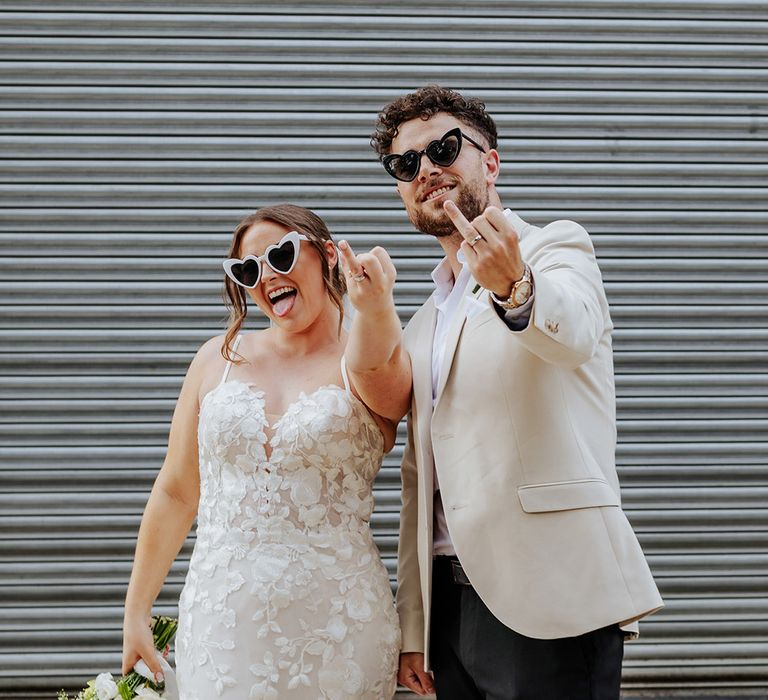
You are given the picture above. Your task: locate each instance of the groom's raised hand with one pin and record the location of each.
(491, 247)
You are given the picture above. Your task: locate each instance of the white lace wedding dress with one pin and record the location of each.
(286, 596)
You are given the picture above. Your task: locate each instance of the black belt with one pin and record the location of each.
(457, 571)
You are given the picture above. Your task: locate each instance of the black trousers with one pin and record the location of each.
(473, 655)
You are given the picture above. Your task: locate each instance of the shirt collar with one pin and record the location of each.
(442, 276)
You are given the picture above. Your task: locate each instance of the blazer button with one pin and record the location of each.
(552, 326)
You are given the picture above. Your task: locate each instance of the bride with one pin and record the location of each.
(275, 442)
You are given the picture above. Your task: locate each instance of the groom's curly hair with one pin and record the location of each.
(424, 103)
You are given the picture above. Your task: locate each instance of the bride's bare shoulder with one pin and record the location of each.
(210, 350)
(210, 355)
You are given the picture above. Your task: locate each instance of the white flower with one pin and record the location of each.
(341, 678)
(147, 694)
(344, 551)
(338, 405)
(307, 487)
(105, 685)
(341, 450)
(270, 564)
(336, 628)
(262, 691)
(232, 485)
(313, 515)
(358, 607)
(252, 427)
(280, 598)
(353, 483)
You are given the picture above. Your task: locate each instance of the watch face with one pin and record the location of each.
(522, 292)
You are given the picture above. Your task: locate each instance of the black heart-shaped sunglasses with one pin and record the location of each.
(443, 152)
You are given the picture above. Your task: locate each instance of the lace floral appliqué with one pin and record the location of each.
(286, 596)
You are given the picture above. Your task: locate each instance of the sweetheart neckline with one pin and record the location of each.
(260, 394)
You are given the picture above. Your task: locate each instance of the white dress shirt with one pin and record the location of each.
(447, 299)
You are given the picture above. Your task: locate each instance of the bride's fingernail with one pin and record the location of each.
(159, 677)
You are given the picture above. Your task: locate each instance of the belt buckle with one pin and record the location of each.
(458, 573)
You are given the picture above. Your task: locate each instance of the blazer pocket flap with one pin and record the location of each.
(566, 495)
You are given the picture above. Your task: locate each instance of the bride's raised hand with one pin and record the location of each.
(370, 279)
(379, 367)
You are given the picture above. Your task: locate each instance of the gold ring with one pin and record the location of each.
(474, 241)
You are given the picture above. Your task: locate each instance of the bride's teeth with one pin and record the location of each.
(278, 292)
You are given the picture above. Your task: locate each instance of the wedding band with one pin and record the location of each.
(474, 241)
(359, 278)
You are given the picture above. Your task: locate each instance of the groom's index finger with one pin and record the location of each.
(459, 220)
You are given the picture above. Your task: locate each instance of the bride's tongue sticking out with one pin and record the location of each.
(283, 300)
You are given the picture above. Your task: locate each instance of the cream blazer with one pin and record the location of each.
(523, 436)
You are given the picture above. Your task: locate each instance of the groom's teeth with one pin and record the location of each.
(437, 193)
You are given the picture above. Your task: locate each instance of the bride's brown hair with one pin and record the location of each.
(294, 218)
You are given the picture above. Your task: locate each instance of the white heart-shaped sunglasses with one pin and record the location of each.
(281, 257)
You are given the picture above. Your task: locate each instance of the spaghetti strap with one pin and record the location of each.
(229, 362)
(344, 374)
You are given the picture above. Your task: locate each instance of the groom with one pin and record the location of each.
(519, 575)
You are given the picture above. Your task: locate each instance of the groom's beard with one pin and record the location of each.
(471, 202)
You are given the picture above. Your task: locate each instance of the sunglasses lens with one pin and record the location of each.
(403, 167)
(247, 273)
(282, 259)
(445, 151)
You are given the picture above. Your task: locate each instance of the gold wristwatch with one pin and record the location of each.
(521, 292)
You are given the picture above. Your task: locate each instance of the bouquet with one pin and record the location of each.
(135, 684)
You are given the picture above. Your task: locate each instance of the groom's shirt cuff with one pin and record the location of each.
(517, 319)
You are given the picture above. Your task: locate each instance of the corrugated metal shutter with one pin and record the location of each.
(132, 130)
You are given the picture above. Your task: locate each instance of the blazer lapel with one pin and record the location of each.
(421, 360)
(421, 408)
(452, 339)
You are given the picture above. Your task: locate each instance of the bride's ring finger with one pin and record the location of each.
(359, 278)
